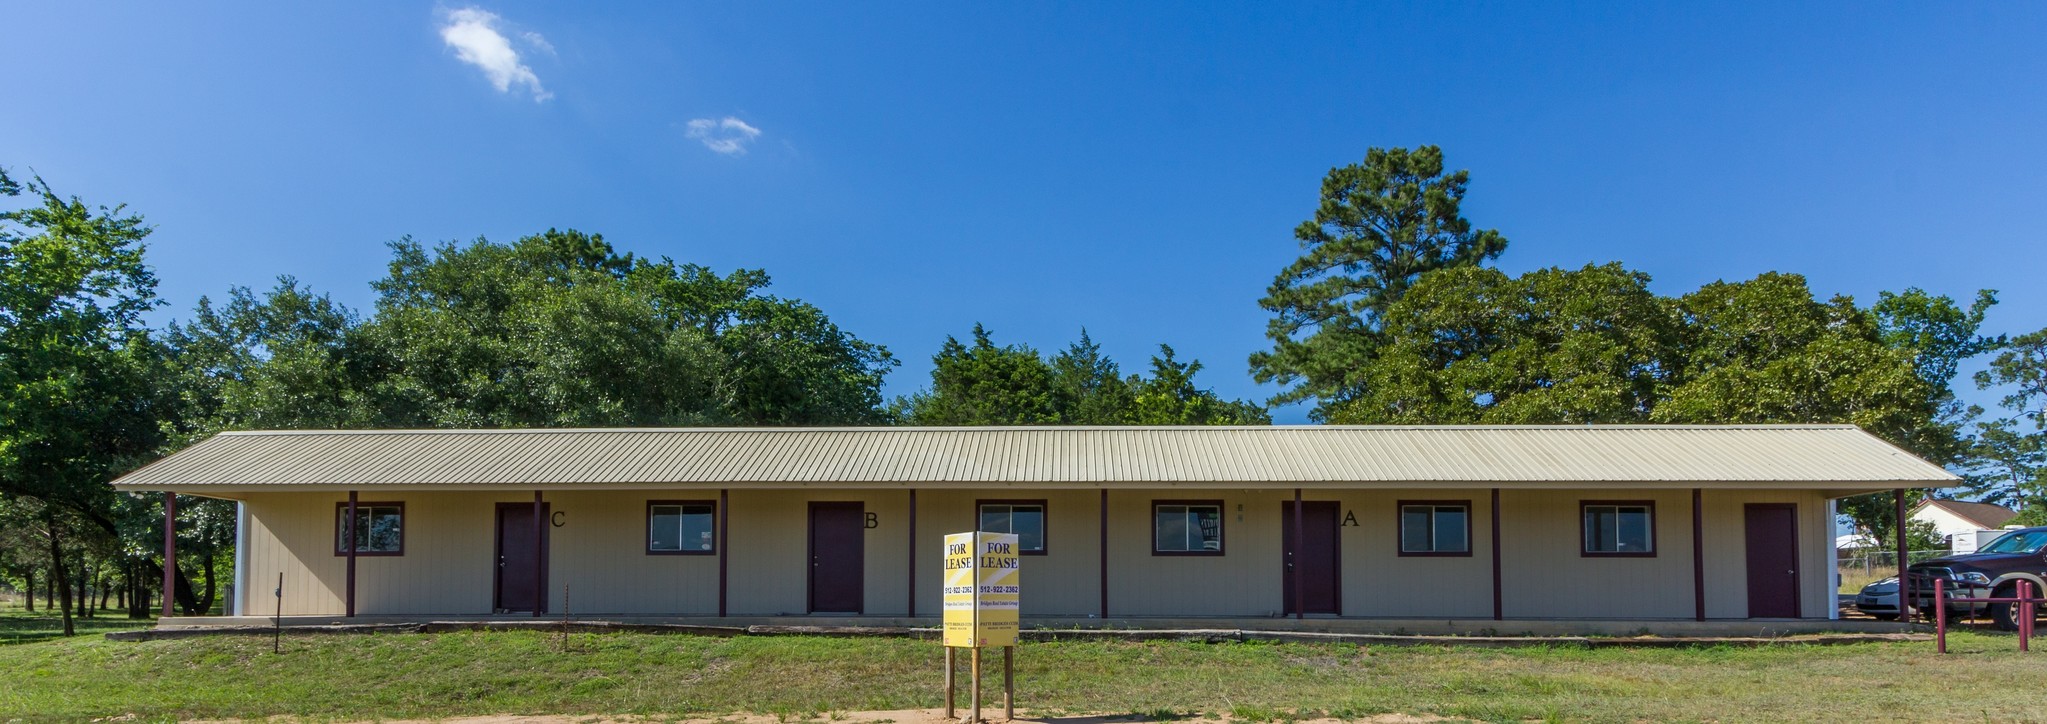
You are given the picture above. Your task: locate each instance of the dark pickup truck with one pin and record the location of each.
(1992, 571)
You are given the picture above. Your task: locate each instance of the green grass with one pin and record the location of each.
(470, 673)
(18, 626)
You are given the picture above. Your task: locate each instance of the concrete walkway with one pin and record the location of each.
(1486, 632)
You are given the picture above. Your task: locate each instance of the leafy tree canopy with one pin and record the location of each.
(983, 383)
(1595, 345)
(2008, 455)
(76, 400)
(1472, 345)
(556, 329)
(1380, 226)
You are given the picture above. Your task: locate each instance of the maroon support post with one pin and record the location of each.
(348, 529)
(539, 558)
(1698, 555)
(170, 552)
(1939, 616)
(2025, 614)
(1497, 611)
(723, 504)
(1293, 561)
(1105, 554)
(1904, 581)
(912, 605)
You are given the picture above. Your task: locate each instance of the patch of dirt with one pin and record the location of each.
(901, 716)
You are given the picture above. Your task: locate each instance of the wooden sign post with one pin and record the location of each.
(982, 601)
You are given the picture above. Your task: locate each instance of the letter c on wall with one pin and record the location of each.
(557, 518)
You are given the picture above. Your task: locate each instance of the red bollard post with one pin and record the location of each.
(2025, 615)
(1939, 616)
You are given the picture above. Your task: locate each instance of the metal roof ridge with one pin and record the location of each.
(1036, 428)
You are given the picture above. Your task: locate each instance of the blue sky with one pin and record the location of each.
(1132, 168)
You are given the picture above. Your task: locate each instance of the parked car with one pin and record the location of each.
(1879, 600)
(1993, 571)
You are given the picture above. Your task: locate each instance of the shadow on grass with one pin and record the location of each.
(18, 626)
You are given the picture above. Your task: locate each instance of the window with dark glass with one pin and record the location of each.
(1024, 518)
(1620, 529)
(682, 527)
(379, 529)
(1187, 528)
(1435, 529)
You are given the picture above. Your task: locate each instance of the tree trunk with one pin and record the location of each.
(57, 574)
(85, 598)
(206, 601)
(31, 589)
(138, 601)
(105, 590)
(188, 598)
(181, 591)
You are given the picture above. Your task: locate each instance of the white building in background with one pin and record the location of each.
(1957, 518)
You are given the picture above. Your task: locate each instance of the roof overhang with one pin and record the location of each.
(1838, 460)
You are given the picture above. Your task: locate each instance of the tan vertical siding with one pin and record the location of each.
(1727, 551)
(771, 546)
(447, 567)
(1066, 581)
(1379, 582)
(598, 554)
(1244, 581)
(284, 538)
(1545, 575)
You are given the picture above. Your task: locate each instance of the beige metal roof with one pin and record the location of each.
(1841, 459)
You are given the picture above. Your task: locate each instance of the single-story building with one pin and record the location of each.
(1955, 517)
(1488, 522)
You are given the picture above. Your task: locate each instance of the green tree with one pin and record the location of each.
(1767, 351)
(278, 362)
(1939, 335)
(1553, 346)
(1595, 345)
(986, 384)
(76, 402)
(2008, 460)
(558, 329)
(2021, 368)
(1381, 225)
(1169, 397)
(2008, 465)
(1087, 387)
(1937, 331)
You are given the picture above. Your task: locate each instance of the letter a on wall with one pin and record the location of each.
(982, 594)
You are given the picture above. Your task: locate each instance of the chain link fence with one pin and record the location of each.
(1858, 568)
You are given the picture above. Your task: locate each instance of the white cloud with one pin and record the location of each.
(534, 39)
(473, 33)
(727, 135)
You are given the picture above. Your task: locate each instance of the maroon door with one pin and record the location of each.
(1772, 560)
(521, 577)
(837, 531)
(1317, 557)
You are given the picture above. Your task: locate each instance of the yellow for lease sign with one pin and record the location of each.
(982, 591)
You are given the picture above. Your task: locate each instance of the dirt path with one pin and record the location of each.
(902, 716)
